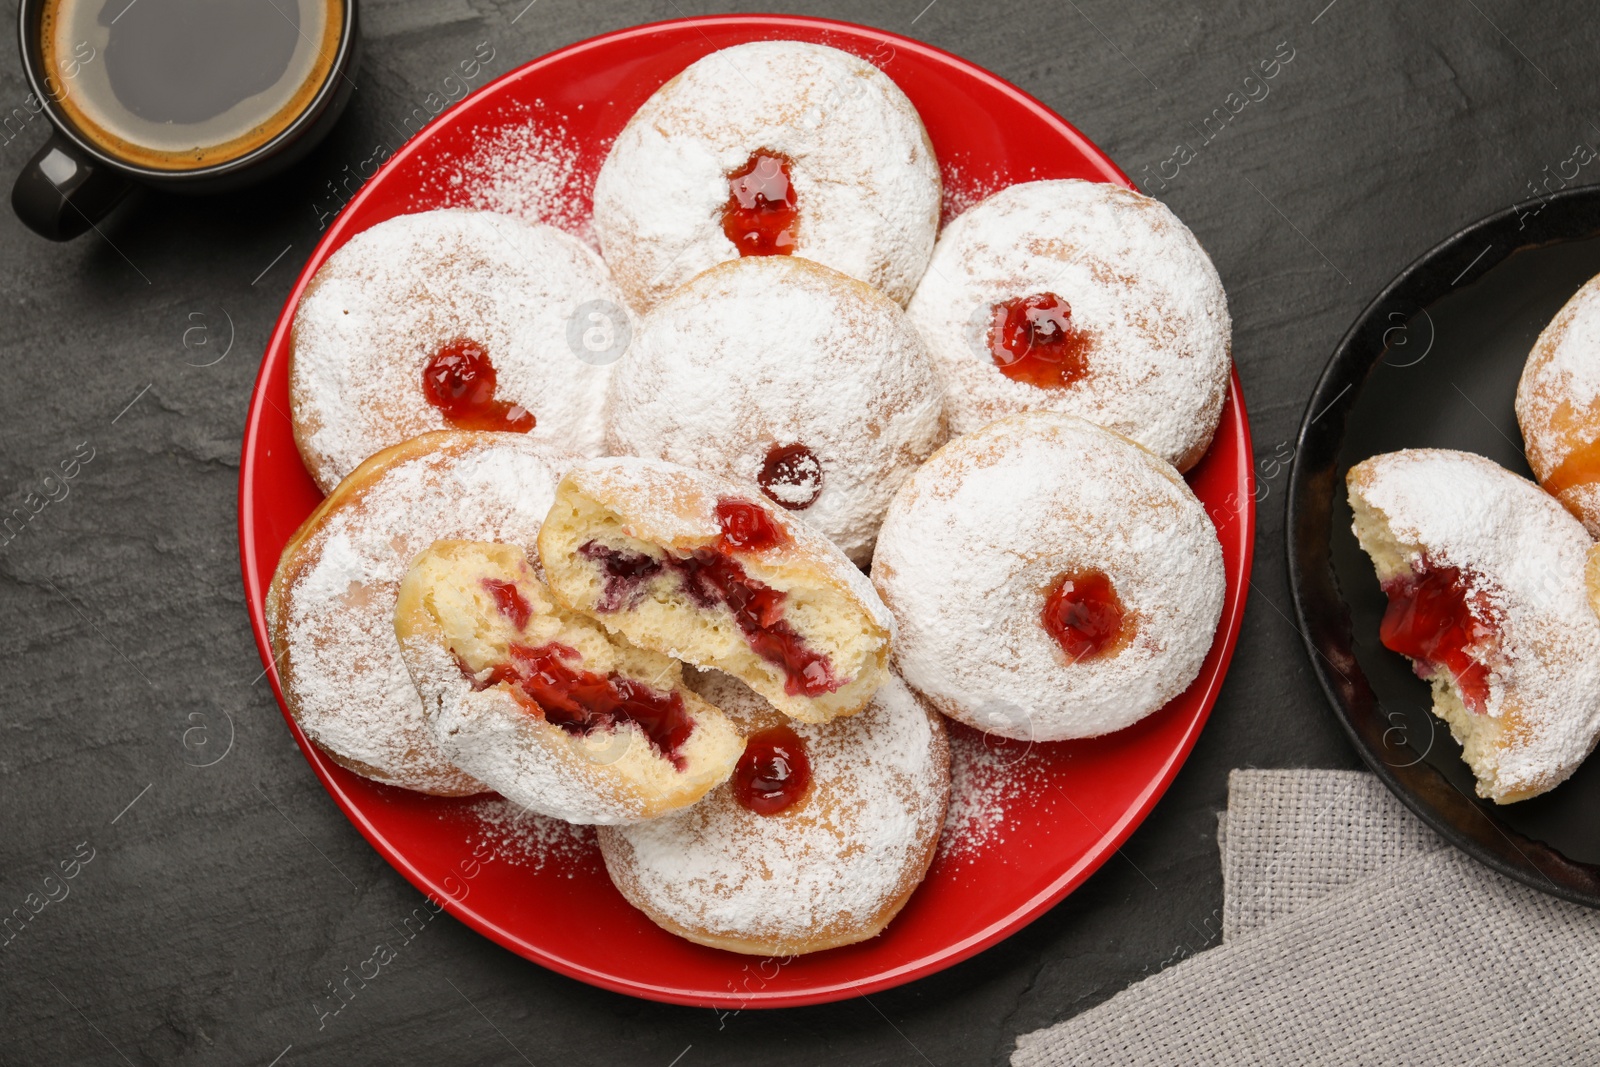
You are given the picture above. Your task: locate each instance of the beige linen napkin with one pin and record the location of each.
(1352, 936)
(1299, 835)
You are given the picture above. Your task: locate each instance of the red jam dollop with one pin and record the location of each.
(791, 476)
(1432, 619)
(761, 216)
(1084, 614)
(459, 380)
(1032, 340)
(582, 702)
(773, 773)
(747, 527)
(509, 599)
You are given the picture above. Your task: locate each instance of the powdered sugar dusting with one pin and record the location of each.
(521, 838)
(1139, 285)
(965, 188)
(863, 172)
(975, 537)
(768, 351)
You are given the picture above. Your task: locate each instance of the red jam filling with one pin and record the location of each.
(711, 576)
(459, 380)
(791, 476)
(582, 702)
(773, 773)
(1032, 340)
(747, 526)
(1084, 614)
(1432, 619)
(761, 216)
(509, 599)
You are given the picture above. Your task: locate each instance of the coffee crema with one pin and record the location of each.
(186, 84)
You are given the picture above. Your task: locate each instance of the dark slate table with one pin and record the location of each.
(219, 900)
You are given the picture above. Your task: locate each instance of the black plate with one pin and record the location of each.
(1434, 362)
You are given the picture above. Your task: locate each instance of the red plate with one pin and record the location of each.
(1074, 803)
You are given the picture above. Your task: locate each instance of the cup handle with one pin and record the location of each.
(62, 192)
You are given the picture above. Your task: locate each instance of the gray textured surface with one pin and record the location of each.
(216, 907)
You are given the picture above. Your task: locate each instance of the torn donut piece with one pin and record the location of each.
(1484, 573)
(542, 704)
(707, 571)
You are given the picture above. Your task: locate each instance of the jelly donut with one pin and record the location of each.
(785, 374)
(330, 609)
(452, 319)
(1485, 579)
(1049, 579)
(817, 840)
(1558, 406)
(770, 148)
(1080, 297)
(540, 704)
(707, 571)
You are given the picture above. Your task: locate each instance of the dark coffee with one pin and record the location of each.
(183, 84)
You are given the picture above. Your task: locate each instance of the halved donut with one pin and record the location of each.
(1484, 573)
(708, 571)
(539, 703)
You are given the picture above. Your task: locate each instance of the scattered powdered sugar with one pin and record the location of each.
(521, 838)
(1522, 555)
(988, 777)
(1139, 285)
(978, 534)
(865, 181)
(768, 351)
(531, 169)
(964, 189)
(333, 622)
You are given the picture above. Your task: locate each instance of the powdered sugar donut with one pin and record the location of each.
(1558, 406)
(771, 147)
(330, 609)
(1080, 297)
(705, 570)
(1485, 578)
(769, 865)
(540, 704)
(1049, 579)
(452, 319)
(779, 372)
